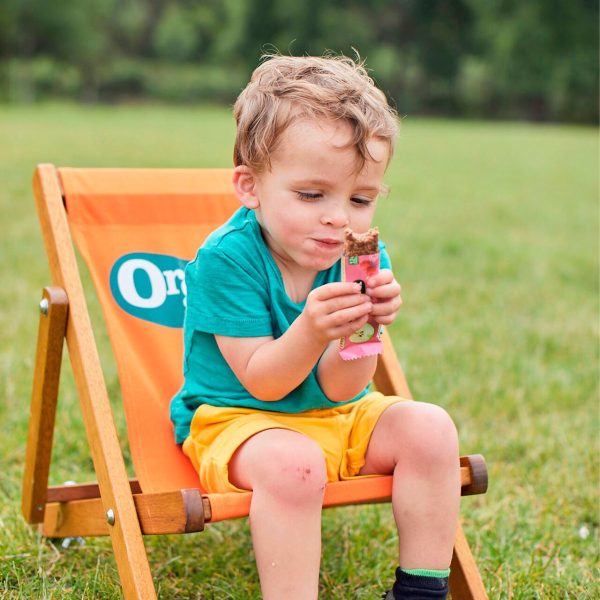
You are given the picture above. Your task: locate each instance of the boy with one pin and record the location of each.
(267, 404)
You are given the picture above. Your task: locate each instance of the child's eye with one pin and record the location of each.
(361, 201)
(309, 195)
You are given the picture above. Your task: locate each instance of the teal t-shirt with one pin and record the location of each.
(235, 288)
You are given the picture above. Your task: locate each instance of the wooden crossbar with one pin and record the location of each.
(77, 510)
(181, 511)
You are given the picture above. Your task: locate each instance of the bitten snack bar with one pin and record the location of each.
(361, 261)
(358, 244)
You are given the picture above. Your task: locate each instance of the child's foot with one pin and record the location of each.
(417, 587)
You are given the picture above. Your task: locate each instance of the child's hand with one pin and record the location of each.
(385, 293)
(335, 310)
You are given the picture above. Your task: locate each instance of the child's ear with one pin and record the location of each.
(244, 183)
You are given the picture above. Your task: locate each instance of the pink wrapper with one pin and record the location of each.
(367, 340)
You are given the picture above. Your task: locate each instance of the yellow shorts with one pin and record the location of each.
(343, 433)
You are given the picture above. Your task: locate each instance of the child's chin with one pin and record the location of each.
(322, 264)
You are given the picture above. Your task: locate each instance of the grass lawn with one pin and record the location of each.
(493, 230)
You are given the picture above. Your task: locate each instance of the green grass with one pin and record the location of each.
(493, 229)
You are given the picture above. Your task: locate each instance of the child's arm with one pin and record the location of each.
(344, 379)
(271, 368)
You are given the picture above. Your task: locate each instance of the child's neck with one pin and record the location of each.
(297, 282)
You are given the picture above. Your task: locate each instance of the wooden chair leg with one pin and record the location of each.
(117, 499)
(51, 336)
(465, 580)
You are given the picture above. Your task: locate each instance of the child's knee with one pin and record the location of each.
(432, 438)
(295, 474)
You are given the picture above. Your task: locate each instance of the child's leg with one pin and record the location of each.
(417, 442)
(287, 474)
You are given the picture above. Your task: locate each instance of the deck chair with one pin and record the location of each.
(135, 229)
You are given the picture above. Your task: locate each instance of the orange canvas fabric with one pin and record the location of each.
(136, 229)
(148, 215)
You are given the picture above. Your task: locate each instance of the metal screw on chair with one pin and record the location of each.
(44, 306)
(110, 516)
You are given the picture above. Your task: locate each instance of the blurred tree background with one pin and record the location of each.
(534, 60)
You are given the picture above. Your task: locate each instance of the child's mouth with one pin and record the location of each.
(328, 244)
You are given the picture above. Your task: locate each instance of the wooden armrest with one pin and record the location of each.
(51, 335)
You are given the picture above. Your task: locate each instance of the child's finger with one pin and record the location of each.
(385, 312)
(349, 328)
(388, 306)
(347, 315)
(337, 288)
(381, 278)
(340, 303)
(386, 319)
(382, 292)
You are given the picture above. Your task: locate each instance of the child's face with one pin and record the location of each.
(314, 190)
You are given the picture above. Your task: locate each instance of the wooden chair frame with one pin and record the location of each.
(115, 505)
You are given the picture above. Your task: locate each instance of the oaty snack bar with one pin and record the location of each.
(361, 261)
(359, 244)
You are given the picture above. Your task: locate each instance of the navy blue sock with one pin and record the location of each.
(420, 584)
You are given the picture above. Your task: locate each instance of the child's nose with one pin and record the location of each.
(335, 218)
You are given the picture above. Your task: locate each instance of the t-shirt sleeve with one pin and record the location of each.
(225, 297)
(384, 258)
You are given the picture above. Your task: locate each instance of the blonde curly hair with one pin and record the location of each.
(283, 89)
